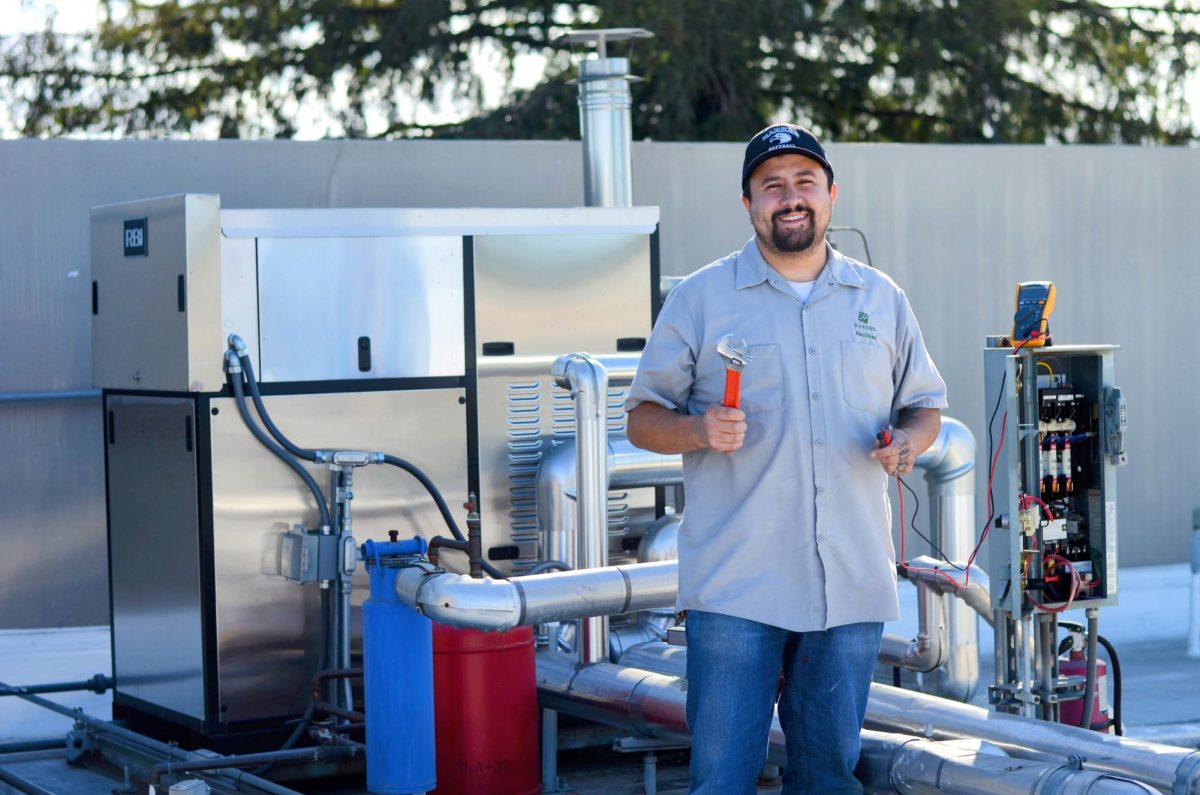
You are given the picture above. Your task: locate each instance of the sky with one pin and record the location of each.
(80, 15)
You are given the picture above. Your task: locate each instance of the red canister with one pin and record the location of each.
(485, 712)
(1071, 712)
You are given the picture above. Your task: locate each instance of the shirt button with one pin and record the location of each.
(812, 351)
(821, 539)
(820, 490)
(816, 396)
(807, 307)
(818, 443)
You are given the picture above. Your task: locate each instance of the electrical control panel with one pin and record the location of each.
(1056, 433)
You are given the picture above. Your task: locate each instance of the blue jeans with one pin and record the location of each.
(733, 669)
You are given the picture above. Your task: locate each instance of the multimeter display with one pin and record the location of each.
(1035, 304)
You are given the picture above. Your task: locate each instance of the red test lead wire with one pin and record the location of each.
(991, 480)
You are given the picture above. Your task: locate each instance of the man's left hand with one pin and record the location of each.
(897, 458)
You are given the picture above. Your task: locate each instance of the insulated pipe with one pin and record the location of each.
(655, 705)
(901, 764)
(976, 595)
(1169, 769)
(928, 650)
(460, 601)
(623, 639)
(647, 703)
(49, 396)
(628, 467)
(587, 380)
(949, 465)
(662, 658)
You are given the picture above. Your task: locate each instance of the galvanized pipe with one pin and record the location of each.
(49, 396)
(460, 601)
(1170, 769)
(160, 748)
(587, 380)
(21, 785)
(295, 756)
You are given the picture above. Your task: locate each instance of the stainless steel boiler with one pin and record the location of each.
(426, 333)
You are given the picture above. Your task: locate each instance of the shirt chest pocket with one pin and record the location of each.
(867, 377)
(763, 385)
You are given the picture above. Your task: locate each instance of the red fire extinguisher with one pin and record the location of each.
(1071, 712)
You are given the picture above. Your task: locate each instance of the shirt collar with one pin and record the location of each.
(752, 269)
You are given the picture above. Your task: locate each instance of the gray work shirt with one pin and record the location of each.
(794, 528)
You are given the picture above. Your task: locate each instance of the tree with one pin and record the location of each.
(892, 70)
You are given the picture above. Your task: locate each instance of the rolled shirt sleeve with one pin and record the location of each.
(917, 382)
(666, 371)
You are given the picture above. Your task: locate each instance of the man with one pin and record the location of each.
(785, 554)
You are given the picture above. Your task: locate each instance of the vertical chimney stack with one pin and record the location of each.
(604, 118)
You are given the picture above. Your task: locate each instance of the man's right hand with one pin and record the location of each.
(722, 428)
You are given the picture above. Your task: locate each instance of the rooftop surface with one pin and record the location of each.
(1149, 629)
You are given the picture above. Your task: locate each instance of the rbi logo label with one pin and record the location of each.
(135, 237)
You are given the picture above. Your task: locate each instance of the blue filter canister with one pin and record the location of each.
(397, 677)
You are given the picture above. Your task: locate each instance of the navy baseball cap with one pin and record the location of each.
(782, 139)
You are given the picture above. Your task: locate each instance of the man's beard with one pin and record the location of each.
(793, 241)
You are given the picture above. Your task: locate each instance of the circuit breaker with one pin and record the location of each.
(1056, 433)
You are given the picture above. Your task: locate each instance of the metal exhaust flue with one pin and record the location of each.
(605, 124)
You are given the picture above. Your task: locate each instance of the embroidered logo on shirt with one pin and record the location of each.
(864, 329)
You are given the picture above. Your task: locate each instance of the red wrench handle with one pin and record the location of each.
(733, 388)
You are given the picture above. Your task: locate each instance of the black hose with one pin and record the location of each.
(311, 708)
(272, 428)
(443, 509)
(97, 684)
(547, 565)
(1116, 677)
(311, 455)
(240, 398)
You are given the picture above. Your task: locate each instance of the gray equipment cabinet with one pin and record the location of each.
(1056, 422)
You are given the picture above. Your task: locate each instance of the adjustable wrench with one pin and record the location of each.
(736, 354)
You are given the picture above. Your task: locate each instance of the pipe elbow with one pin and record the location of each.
(583, 375)
(237, 344)
(952, 453)
(921, 654)
(459, 600)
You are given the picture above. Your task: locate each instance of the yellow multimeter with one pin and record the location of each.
(1035, 304)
